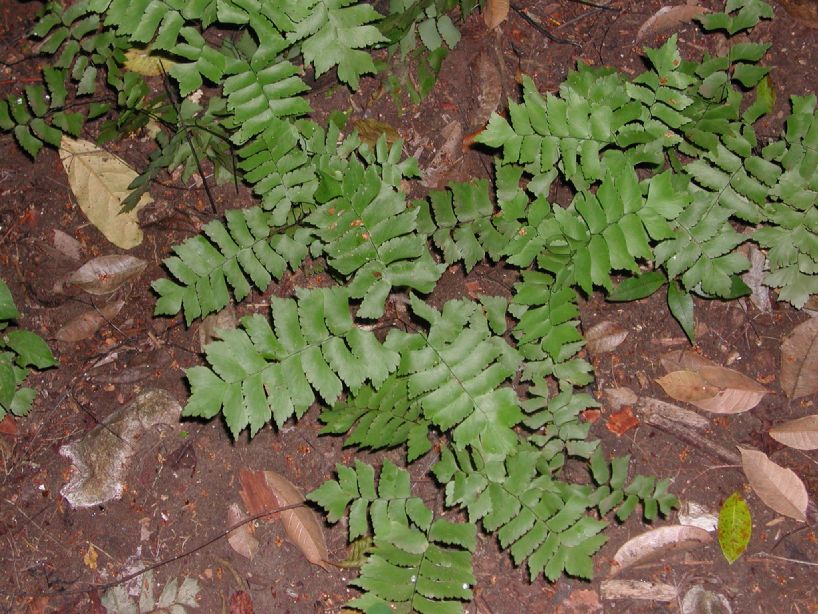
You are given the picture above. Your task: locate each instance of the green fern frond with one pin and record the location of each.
(248, 246)
(261, 372)
(334, 34)
(418, 563)
(370, 235)
(382, 418)
(458, 373)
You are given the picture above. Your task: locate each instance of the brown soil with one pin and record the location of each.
(178, 491)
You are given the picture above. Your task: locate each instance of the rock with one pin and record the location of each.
(102, 457)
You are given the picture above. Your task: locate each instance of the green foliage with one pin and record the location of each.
(662, 170)
(418, 562)
(20, 350)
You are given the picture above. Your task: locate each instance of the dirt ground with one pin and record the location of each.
(179, 488)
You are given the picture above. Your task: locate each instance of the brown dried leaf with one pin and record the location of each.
(658, 543)
(300, 523)
(777, 486)
(67, 245)
(754, 278)
(684, 360)
(104, 274)
(437, 172)
(668, 18)
(604, 337)
(241, 539)
(801, 434)
(687, 386)
(370, 130)
(799, 360)
(703, 383)
(86, 324)
(622, 421)
(257, 496)
(495, 12)
(489, 87)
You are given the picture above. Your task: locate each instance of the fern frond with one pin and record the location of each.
(334, 34)
(261, 372)
(247, 246)
(370, 235)
(418, 563)
(382, 418)
(457, 373)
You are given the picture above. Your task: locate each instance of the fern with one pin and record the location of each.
(20, 350)
(259, 372)
(418, 562)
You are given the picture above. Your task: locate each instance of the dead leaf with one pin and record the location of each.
(104, 274)
(90, 557)
(638, 589)
(617, 397)
(668, 18)
(225, 319)
(777, 486)
(241, 539)
(684, 360)
(99, 181)
(370, 130)
(88, 323)
(142, 62)
(687, 386)
(622, 421)
(701, 382)
(257, 496)
(67, 245)
(604, 337)
(300, 523)
(799, 360)
(801, 434)
(754, 278)
(658, 543)
(8, 426)
(489, 86)
(693, 514)
(495, 12)
(241, 603)
(449, 154)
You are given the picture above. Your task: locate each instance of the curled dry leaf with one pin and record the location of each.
(104, 274)
(799, 360)
(658, 543)
(604, 337)
(88, 322)
(437, 172)
(495, 12)
(777, 486)
(489, 87)
(668, 18)
(698, 601)
(637, 589)
(241, 539)
(300, 523)
(700, 382)
(801, 434)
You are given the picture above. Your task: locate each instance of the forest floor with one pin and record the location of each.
(180, 484)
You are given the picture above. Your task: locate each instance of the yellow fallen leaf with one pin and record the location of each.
(99, 181)
(142, 62)
(90, 557)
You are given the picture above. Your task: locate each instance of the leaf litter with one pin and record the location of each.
(799, 360)
(778, 487)
(266, 490)
(657, 543)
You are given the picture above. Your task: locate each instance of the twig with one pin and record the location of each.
(767, 555)
(542, 30)
(104, 586)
